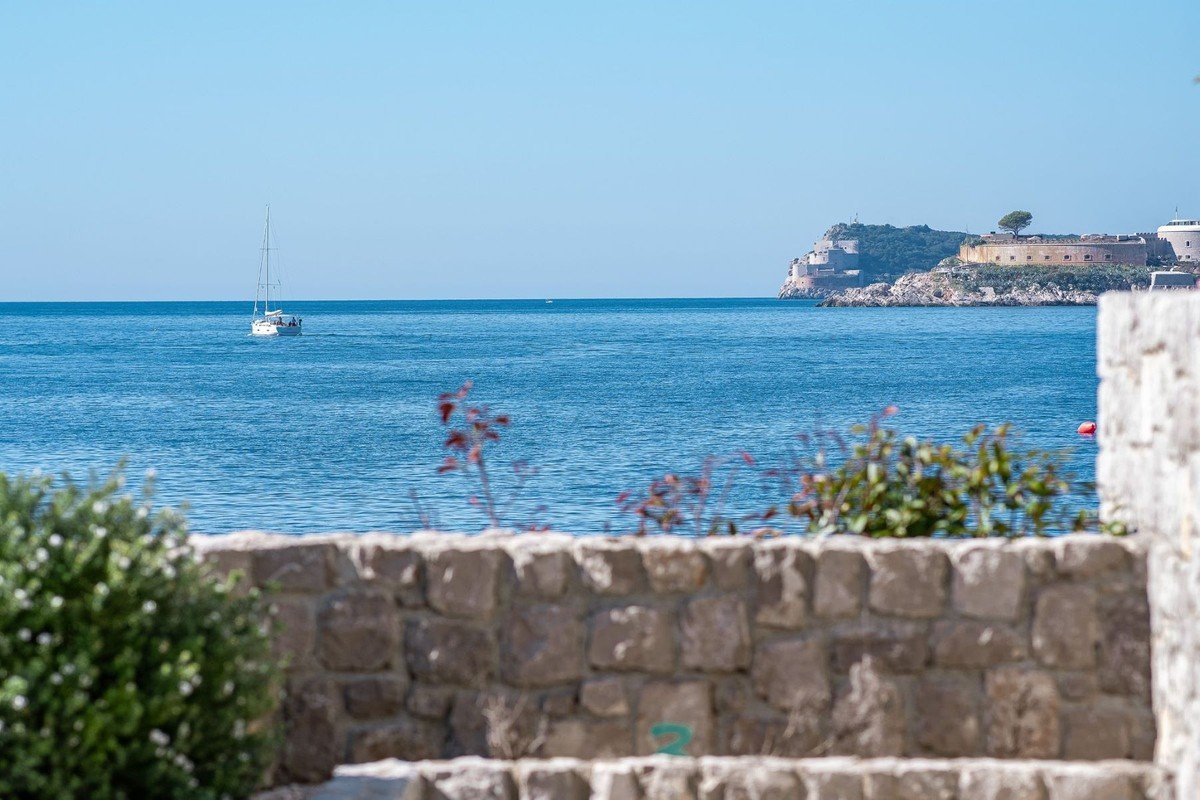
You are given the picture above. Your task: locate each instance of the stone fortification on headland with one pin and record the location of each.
(831, 265)
(1018, 251)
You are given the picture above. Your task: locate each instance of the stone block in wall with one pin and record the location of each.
(989, 581)
(615, 780)
(1022, 709)
(971, 644)
(899, 647)
(673, 565)
(1089, 556)
(947, 716)
(554, 779)
(832, 778)
(1078, 782)
(224, 563)
(462, 582)
(790, 674)
(868, 717)
(1095, 732)
(407, 739)
(588, 738)
(715, 634)
(782, 572)
(295, 637)
(1125, 644)
(447, 651)
(838, 586)
(429, 702)
(375, 696)
(632, 638)
(470, 779)
(497, 723)
(542, 645)
(687, 703)
(312, 744)
(995, 782)
(302, 566)
(734, 779)
(358, 630)
(610, 566)
(560, 702)
(729, 558)
(604, 697)
(542, 565)
(667, 778)
(1065, 627)
(912, 779)
(393, 564)
(907, 580)
(773, 734)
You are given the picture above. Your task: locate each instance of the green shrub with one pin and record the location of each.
(126, 671)
(890, 485)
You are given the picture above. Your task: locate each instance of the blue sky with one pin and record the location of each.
(619, 149)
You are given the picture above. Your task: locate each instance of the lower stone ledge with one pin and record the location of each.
(738, 778)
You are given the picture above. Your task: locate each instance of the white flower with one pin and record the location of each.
(159, 738)
(100, 531)
(142, 512)
(20, 594)
(55, 540)
(40, 554)
(149, 607)
(56, 679)
(24, 634)
(123, 562)
(44, 639)
(99, 507)
(19, 702)
(56, 602)
(151, 473)
(185, 688)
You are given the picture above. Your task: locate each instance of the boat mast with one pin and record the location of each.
(267, 262)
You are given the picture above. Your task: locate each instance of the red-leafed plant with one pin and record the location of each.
(470, 429)
(695, 503)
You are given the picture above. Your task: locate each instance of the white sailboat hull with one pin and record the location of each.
(262, 327)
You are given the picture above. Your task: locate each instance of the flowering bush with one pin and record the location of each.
(126, 671)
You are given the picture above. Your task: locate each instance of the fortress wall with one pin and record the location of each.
(1042, 253)
(437, 645)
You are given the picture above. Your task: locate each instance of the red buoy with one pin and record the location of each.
(1087, 428)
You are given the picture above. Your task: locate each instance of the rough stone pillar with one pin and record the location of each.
(1149, 476)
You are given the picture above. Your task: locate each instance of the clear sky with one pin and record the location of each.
(616, 149)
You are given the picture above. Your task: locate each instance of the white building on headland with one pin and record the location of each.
(1184, 237)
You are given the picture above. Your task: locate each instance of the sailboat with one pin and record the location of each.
(270, 322)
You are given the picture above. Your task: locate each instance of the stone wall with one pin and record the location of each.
(1026, 253)
(744, 778)
(433, 645)
(1149, 475)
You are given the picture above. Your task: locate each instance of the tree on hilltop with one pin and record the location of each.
(1015, 221)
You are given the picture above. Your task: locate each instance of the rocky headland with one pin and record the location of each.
(987, 286)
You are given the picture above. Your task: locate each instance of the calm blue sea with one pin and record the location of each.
(337, 429)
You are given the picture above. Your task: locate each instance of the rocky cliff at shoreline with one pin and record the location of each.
(965, 286)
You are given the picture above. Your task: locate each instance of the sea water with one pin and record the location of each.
(337, 429)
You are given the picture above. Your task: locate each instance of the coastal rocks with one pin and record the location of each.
(946, 288)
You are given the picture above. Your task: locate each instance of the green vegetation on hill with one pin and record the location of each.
(886, 251)
(1092, 278)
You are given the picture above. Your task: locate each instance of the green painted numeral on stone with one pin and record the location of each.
(683, 736)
